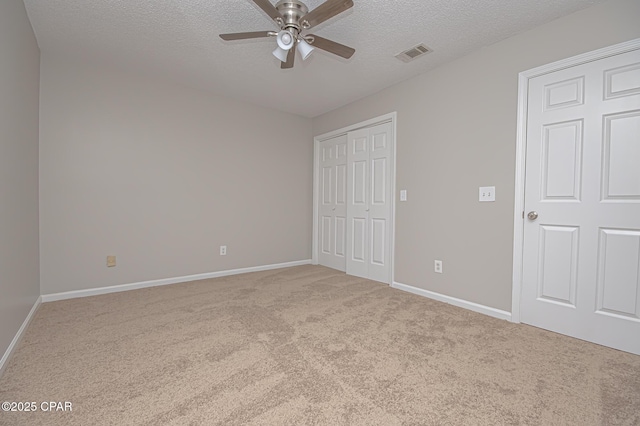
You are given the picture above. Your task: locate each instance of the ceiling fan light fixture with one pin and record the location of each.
(281, 54)
(304, 48)
(292, 18)
(285, 40)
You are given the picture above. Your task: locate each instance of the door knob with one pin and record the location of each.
(532, 215)
(333, 208)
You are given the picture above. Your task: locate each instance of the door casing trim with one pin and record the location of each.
(521, 149)
(392, 118)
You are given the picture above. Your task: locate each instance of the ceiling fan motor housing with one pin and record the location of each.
(292, 11)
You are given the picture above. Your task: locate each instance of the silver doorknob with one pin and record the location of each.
(532, 215)
(333, 208)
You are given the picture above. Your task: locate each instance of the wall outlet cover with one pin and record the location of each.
(487, 194)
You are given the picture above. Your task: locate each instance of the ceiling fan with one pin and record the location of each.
(293, 17)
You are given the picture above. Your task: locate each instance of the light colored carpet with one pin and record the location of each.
(306, 345)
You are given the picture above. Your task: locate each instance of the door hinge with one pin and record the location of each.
(523, 214)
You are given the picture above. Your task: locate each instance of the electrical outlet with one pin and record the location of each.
(487, 193)
(223, 250)
(403, 195)
(111, 261)
(437, 266)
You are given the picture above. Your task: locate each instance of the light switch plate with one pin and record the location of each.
(487, 193)
(403, 195)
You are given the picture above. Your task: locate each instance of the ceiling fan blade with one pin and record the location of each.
(291, 56)
(325, 11)
(242, 36)
(332, 46)
(269, 8)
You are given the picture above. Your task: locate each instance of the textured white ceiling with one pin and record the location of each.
(179, 39)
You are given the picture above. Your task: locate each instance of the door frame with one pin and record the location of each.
(392, 118)
(521, 150)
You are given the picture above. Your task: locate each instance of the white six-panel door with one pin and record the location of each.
(332, 225)
(369, 199)
(581, 254)
(359, 184)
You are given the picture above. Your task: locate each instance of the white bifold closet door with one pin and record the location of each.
(332, 226)
(369, 202)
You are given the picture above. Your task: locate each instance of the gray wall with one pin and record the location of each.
(160, 176)
(19, 81)
(456, 132)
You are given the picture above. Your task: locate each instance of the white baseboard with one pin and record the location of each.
(14, 343)
(165, 281)
(492, 312)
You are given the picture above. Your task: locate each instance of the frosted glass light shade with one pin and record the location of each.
(285, 40)
(305, 49)
(281, 54)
